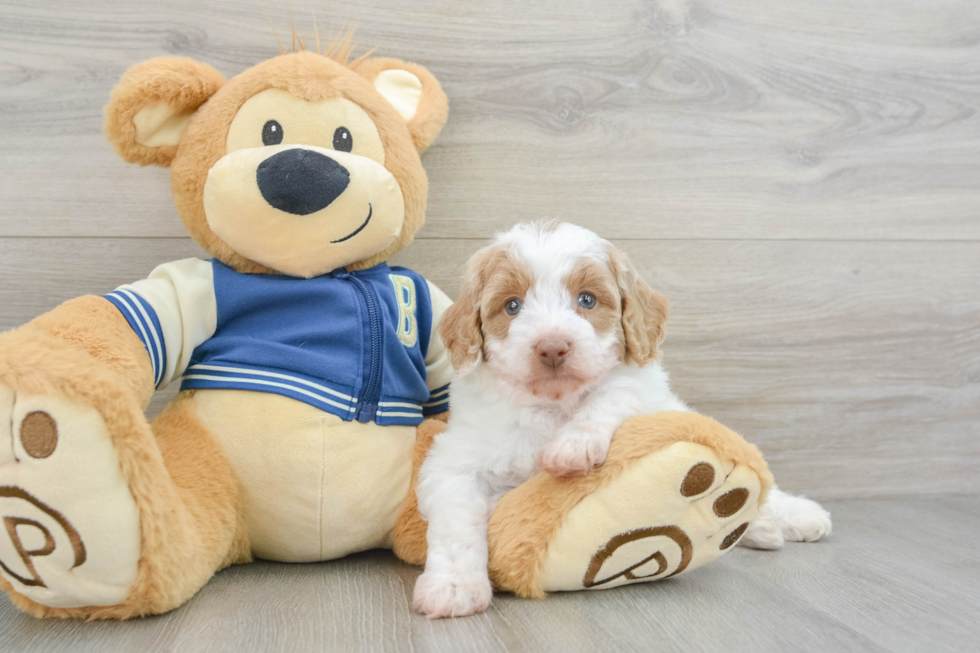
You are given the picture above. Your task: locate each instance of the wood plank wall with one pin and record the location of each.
(801, 179)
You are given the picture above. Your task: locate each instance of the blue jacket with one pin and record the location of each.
(355, 344)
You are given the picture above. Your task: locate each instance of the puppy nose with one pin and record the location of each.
(301, 181)
(552, 352)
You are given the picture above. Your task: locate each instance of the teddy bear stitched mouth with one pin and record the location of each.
(301, 181)
(359, 229)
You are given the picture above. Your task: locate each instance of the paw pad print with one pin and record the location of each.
(643, 569)
(20, 502)
(32, 528)
(69, 527)
(38, 434)
(664, 550)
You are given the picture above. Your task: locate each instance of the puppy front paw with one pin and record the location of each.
(573, 453)
(439, 595)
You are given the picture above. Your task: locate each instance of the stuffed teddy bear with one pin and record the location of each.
(309, 369)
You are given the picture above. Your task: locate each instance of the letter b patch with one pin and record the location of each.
(408, 326)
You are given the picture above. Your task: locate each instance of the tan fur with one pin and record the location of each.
(432, 111)
(410, 529)
(606, 316)
(644, 311)
(492, 278)
(205, 481)
(183, 83)
(182, 484)
(186, 497)
(306, 75)
(85, 351)
(94, 325)
(461, 329)
(527, 518)
(505, 279)
(183, 487)
(624, 303)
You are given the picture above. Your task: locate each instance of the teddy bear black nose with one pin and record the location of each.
(301, 181)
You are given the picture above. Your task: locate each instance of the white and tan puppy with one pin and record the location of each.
(554, 339)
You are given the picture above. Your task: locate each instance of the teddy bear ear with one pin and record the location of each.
(414, 92)
(151, 105)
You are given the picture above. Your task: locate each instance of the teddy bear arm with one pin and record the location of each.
(92, 324)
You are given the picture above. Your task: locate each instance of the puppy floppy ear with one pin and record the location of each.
(461, 328)
(414, 92)
(644, 311)
(151, 105)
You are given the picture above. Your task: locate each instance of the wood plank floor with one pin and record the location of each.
(896, 575)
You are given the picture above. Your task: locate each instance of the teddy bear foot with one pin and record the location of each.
(677, 491)
(70, 533)
(617, 535)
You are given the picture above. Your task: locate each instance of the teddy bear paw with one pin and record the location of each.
(69, 527)
(672, 511)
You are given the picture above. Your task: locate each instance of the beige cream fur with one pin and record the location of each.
(183, 84)
(179, 480)
(527, 519)
(347, 480)
(192, 518)
(305, 75)
(189, 501)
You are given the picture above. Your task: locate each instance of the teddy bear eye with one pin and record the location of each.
(586, 300)
(342, 140)
(272, 133)
(513, 306)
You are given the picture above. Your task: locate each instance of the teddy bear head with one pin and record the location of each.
(300, 165)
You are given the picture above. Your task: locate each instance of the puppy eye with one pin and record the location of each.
(272, 133)
(342, 140)
(586, 300)
(513, 306)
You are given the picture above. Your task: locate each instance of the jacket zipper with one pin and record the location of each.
(367, 402)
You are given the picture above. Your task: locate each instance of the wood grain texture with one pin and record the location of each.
(854, 366)
(799, 178)
(654, 119)
(876, 585)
